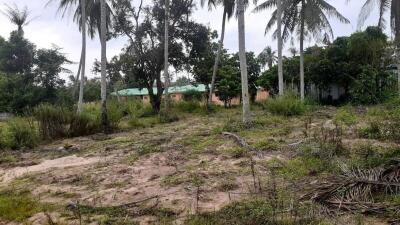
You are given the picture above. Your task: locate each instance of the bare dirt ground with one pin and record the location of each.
(179, 168)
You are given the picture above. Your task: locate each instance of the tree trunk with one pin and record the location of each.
(280, 45)
(302, 51)
(76, 82)
(103, 40)
(243, 63)
(83, 56)
(217, 58)
(166, 51)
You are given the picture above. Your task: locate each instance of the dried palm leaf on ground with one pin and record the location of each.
(357, 189)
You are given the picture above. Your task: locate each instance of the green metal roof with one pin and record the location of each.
(176, 89)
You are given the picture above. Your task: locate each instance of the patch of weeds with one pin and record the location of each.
(131, 159)
(251, 212)
(8, 158)
(345, 116)
(148, 149)
(175, 180)
(366, 156)
(68, 195)
(199, 143)
(227, 185)
(237, 152)
(267, 145)
(382, 124)
(302, 167)
(286, 105)
(18, 206)
(106, 220)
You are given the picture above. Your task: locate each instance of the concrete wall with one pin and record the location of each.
(261, 95)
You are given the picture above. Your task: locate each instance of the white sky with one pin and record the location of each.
(49, 28)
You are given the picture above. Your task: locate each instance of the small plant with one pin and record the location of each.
(287, 105)
(53, 120)
(20, 133)
(345, 117)
(237, 152)
(168, 116)
(18, 206)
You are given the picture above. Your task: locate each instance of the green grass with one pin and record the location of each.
(197, 144)
(18, 206)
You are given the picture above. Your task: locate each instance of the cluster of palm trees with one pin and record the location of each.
(299, 18)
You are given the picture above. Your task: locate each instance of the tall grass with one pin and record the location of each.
(286, 105)
(19, 133)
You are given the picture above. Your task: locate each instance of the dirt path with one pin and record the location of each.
(64, 162)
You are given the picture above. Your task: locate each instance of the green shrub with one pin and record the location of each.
(287, 105)
(115, 112)
(188, 106)
(192, 95)
(167, 116)
(345, 116)
(53, 121)
(136, 109)
(83, 124)
(20, 133)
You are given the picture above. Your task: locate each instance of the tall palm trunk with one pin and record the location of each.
(217, 58)
(76, 82)
(280, 45)
(166, 51)
(243, 63)
(302, 51)
(83, 56)
(103, 40)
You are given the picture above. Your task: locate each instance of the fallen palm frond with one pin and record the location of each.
(239, 140)
(356, 189)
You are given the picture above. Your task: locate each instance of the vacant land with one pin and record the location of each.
(203, 169)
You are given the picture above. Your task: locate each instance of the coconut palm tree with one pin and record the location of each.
(267, 57)
(87, 14)
(306, 17)
(243, 64)
(166, 51)
(18, 17)
(229, 9)
(103, 40)
(384, 6)
(279, 11)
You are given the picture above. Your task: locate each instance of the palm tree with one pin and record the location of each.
(243, 64)
(384, 6)
(229, 9)
(87, 15)
(306, 17)
(166, 51)
(267, 57)
(103, 40)
(278, 35)
(18, 17)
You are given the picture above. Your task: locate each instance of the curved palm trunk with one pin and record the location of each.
(83, 56)
(243, 63)
(217, 58)
(103, 30)
(302, 51)
(280, 46)
(75, 89)
(166, 51)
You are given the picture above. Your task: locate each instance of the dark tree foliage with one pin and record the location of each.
(358, 63)
(142, 61)
(29, 76)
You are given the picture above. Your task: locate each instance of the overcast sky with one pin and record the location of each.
(49, 28)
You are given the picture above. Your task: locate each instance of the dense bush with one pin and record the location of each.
(115, 112)
(19, 133)
(53, 121)
(188, 106)
(192, 95)
(286, 105)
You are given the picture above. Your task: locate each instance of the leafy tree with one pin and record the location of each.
(228, 84)
(16, 54)
(267, 57)
(145, 56)
(48, 66)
